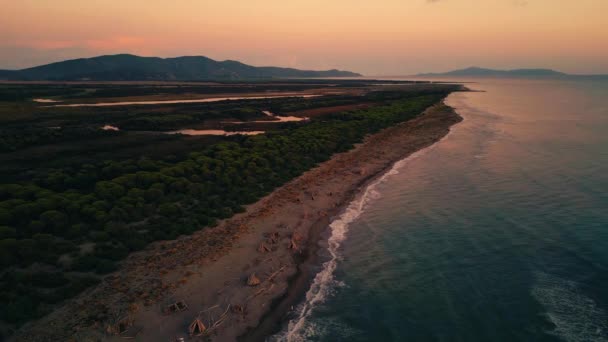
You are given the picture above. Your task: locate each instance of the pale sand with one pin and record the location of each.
(208, 270)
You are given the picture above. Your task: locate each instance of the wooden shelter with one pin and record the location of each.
(197, 328)
(253, 280)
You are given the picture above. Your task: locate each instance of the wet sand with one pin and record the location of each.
(275, 240)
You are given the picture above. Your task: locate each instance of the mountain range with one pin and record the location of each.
(515, 73)
(125, 67)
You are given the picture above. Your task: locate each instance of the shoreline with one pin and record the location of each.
(209, 270)
(274, 320)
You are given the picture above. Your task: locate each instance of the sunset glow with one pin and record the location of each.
(371, 37)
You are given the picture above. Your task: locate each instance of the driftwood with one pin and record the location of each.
(208, 309)
(263, 248)
(219, 321)
(293, 245)
(259, 292)
(120, 327)
(124, 328)
(273, 238)
(275, 274)
(133, 334)
(264, 289)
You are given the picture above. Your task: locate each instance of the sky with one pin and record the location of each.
(373, 37)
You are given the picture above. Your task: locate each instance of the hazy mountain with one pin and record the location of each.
(126, 67)
(7, 74)
(482, 72)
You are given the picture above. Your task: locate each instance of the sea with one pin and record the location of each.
(499, 232)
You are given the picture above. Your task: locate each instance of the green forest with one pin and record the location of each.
(62, 227)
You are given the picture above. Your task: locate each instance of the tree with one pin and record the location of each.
(153, 194)
(27, 251)
(55, 220)
(8, 248)
(19, 309)
(5, 216)
(7, 232)
(35, 226)
(169, 210)
(52, 211)
(109, 190)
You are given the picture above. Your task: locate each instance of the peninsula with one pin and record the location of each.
(141, 222)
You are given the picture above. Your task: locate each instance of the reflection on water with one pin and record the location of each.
(213, 132)
(45, 100)
(110, 128)
(211, 99)
(272, 115)
(282, 118)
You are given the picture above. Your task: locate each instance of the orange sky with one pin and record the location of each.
(374, 37)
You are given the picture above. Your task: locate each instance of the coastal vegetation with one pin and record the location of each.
(76, 200)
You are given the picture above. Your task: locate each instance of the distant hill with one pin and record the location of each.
(515, 73)
(482, 72)
(126, 67)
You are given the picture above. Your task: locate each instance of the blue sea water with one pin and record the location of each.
(499, 232)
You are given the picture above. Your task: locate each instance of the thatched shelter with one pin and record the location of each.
(253, 280)
(197, 328)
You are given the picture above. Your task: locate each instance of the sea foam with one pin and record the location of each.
(576, 316)
(324, 283)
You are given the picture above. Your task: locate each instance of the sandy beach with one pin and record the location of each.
(241, 277)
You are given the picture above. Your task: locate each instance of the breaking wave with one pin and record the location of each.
(576, 317)
(324, 283)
